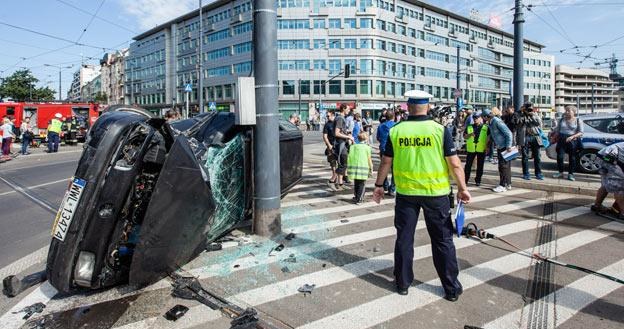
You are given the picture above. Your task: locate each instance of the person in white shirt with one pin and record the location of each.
(7, 138)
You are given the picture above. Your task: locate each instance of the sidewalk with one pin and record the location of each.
(585, 184)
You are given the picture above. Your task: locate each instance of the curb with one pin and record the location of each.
(588, 191)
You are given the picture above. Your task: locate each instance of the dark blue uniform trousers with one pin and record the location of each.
(440, 228)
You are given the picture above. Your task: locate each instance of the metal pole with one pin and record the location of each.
(131, 85)
(188, 96)
(457, 86)
(201, 53)
(592, 100)
(299, 108)
(320, 94)
(518, 74)
(578, 103)
(267, 217)
(60, 93)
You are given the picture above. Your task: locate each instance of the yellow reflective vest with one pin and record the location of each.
(480, 145)
(419, 165)
(55, 126)
(357, 162)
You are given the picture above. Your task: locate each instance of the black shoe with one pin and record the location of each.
(402, 291)
(390, 193)
(478, 184)
(346, 180)
(454, 296)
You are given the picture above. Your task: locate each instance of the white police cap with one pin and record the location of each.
(417, 97)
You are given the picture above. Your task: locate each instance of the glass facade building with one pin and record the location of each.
(392, 47)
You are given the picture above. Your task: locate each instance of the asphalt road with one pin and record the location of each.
(31, 188)
(346, 251)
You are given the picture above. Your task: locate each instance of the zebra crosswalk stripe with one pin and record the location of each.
(339, 274)
(391, 306)
(569, 300)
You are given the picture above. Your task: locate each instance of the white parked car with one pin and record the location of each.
(601, 130)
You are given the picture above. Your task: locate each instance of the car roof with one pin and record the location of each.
(601, 116)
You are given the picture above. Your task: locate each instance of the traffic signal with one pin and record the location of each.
(347, 70)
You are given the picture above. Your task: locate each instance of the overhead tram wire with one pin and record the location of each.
(563, 4)
(558, 23)
(51, 36)
(98, 17)
(530, 9)
(90, 21)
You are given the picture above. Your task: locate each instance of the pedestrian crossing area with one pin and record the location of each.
(346, 251)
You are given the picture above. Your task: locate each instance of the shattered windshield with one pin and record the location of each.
(225, 167)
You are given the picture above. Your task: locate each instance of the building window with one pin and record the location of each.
(334, 23)
(241, 68)
(350, 43)
(334, 66)
(380, 88)
(319, 23)
(366, 43)
(365, 87)
(350, 87)
(334, 44)
(293, 44)
(242, 28)
(334, 87)
(411, 32)
(242, 48)
(366, 66)
(319, 43)
(392, 47)
(293, 24)
(400, 89)
(352, 64)
(366, 23)
(319, 87)
(381, 25)
(402, 30)
(227, 91)
(381, 45)
(288, 87)
(349, 23)
(304, 87)
(320, 64)
(219, 71)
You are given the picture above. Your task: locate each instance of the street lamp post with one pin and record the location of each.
(60, 77)
(592, 99)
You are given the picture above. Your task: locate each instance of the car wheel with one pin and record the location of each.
(588, 161)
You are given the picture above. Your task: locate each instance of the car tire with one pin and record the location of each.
(587, 161)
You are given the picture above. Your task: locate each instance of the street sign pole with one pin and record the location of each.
(518, 60)
(186, 114)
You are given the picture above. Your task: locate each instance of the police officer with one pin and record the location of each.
(423, 155)
(54, 129)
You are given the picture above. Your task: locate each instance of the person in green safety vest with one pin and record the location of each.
(476, 144)
(423, 155)
(54, 131)
(360, 165)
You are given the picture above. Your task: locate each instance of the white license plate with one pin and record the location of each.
(66, 212)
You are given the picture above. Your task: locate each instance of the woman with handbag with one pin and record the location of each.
(567, 134)
(27, 135)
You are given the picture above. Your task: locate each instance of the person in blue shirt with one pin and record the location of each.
(383, 133)
(357, 127)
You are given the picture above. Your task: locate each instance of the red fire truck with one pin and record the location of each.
(40, 114)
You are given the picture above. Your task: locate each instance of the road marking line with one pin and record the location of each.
(38, 185)
(391, 306)
(300, 251)
(338, 274)
(570, 299)
(33, 198)
(23, 263)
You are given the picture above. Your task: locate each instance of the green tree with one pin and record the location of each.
(21, 86)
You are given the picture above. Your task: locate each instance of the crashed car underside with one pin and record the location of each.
(147, 196)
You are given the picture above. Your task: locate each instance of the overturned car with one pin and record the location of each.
(148, 196)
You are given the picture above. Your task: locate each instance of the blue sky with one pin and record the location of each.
(558, 24)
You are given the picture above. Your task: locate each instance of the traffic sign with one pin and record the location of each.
(188, 88)
(212, 106)
(457, 93)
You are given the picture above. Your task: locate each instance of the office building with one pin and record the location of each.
(85, 74)
(574, 85)
(391, 47)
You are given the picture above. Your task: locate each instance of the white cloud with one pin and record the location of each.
(150, 13)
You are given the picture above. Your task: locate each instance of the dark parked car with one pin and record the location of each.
(147, 195)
